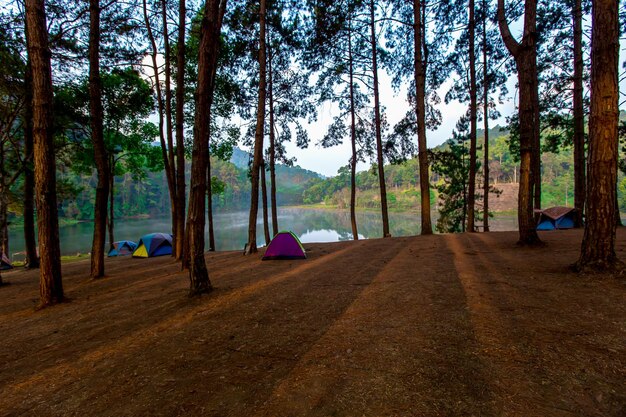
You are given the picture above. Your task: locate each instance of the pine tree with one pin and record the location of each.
(525, 55)
(334, 51)
(97, 139)
(207, 67)
(251, 246)
(51, 284)
(598, 246)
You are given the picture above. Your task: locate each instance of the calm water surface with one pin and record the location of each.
(231, 229)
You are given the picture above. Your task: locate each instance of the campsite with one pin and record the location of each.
(312, 208)
(435, 325)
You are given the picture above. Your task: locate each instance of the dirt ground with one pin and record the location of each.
(445, 325)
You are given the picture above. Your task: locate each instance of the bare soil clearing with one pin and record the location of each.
(419, 326)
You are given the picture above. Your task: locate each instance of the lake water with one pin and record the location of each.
(231, 229)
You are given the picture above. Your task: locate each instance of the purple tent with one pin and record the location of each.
(285, 245)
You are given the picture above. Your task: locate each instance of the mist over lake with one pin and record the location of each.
(231, 228)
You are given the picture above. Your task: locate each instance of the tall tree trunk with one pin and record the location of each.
(266, 227)
(30, 242)
(169, 170)
(168, 123)
(210, 206)
(379, 144)
(353, 159)
(598, 246)
(272, 149)
(50, 283)
(525, 55)
(618, 216)
(471, 196)
(420, 110)
(4, 231)
(207, 66)
(97, 140)
(486, 125)
(4, 238)
(258, 137)
(536, 153)
(180, 134)
(579, 117)
(4, 204)
(111, 207)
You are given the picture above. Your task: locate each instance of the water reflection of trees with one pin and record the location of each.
(370, 223)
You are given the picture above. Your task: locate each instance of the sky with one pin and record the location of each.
(327, 161)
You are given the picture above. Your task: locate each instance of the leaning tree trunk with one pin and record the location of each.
(97, 140)
(579, 117)
(353, 159)
(50, 284)
(379, 144)
(525, 55)
(598, 246)
(266, 226)
(420, 110)
(251, 247)
(471, 196)
(180, 134)
(30, 242)
(210, 29)
(486, 127)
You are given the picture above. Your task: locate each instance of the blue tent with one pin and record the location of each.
(122, 248)
(554, 218)
(153, 244)
(5, 263)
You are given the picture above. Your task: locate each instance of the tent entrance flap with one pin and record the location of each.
(141, 252)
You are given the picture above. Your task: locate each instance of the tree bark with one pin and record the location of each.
(379, 144)
(353, 159)
(97, 140)
(579, 117)
(169, 170)
(525, 55)
(180, 135)
(210, 206)
(111, 206)
(486, 125)
(251, 247)
(207, 66)
(471, 193)
(4, 206)
(598, 246)
(168, 125)
(272, 148)
(30, 242)
(266, 227)
(420, 110)
(50, 284)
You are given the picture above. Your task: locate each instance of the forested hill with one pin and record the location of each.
(145, 194)
(402, 180)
